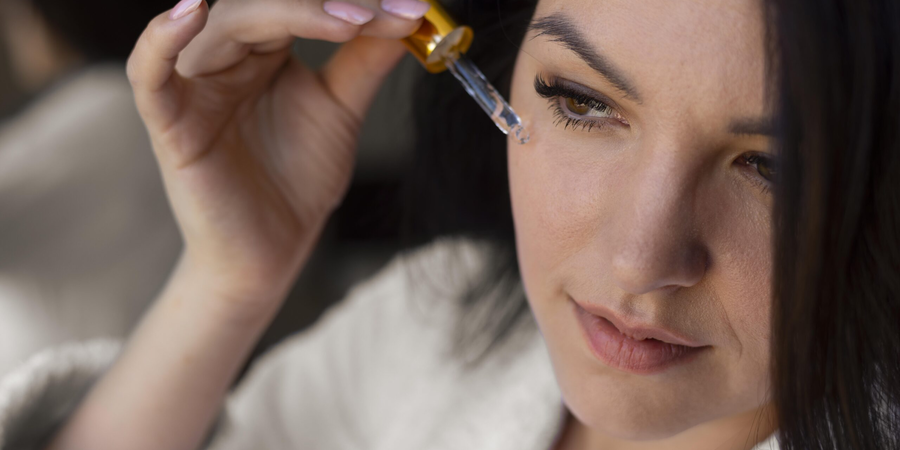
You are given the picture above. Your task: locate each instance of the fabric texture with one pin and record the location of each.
(37, 396)
(376, 372)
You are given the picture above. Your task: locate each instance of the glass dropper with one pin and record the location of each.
(486, 96)
(440, 44)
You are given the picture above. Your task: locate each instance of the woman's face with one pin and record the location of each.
(642, 208)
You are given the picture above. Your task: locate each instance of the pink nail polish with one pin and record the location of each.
(183, 8)
(348, 12)
(407, 9)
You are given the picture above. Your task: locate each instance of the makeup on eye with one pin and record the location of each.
(577, 106)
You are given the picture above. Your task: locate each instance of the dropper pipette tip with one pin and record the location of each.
(520, 133)
(486, 96)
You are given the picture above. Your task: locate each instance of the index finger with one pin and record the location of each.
(151, 66)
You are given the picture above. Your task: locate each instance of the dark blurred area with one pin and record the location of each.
(86, 235)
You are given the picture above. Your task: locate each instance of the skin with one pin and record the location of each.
(658, 219)
(655, 216)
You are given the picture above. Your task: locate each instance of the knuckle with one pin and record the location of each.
(145, 43)
(132, 71)
(151, 36)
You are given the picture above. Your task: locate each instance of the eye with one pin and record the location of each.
(582, 109)
(586, 109)
(574, 106)
(760, 169)
(764, 165)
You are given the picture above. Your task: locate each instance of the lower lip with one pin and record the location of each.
(630, 355)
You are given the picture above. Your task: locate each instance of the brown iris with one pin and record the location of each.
(577, 107)
(764, 166)
(767, 170)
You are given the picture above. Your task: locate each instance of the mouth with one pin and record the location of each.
(635, 349)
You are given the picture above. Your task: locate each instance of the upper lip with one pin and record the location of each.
(639, 331)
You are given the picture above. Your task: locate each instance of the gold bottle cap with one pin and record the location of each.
(438, 37)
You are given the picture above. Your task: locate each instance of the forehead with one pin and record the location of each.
(673, 50)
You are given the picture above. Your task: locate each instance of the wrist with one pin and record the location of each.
(243, 280)
(227, 294)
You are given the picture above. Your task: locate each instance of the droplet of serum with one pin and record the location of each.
(520, 133)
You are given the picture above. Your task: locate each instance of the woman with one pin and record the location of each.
(642, 210)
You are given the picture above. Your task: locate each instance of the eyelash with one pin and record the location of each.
(554, 91)
(752, 160)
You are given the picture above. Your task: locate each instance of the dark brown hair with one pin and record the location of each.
(836, 311)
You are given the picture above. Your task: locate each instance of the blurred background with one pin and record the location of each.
(86, 235)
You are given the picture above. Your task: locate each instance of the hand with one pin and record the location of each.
(255, 149)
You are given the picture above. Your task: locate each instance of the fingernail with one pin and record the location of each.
(407, 9)
(183, 8)
(349, 12)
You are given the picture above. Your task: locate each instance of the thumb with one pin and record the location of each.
(358, 68)
(151, 66)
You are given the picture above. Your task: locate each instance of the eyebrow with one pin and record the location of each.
(560, 29)
(752, 126)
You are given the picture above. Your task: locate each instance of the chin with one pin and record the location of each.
(628, 406)
(630, 419)
(631, 407)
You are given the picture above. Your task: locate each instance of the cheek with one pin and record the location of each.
(565, 197)
(551, 206)
(560, 184)
(741, 279)
(559, 204)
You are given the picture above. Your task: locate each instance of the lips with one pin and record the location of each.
(635, 349)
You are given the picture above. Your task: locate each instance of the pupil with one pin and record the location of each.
(764, 166)
(577, 107)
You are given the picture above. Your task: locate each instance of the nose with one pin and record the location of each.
(656, 243)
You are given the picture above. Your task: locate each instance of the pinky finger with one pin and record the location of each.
(151, 66)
